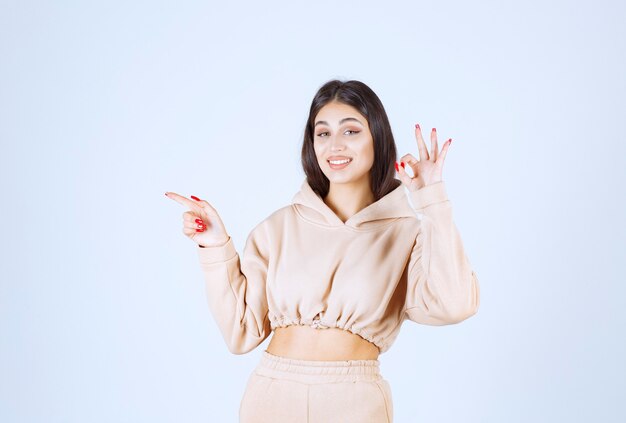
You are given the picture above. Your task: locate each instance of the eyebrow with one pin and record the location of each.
(323, 122)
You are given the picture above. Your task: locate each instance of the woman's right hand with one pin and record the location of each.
(201, 223)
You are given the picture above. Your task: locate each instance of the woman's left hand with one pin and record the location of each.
(428, 169)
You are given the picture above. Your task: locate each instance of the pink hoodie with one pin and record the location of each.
(302, 265)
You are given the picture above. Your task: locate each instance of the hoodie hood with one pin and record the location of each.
(394, 205)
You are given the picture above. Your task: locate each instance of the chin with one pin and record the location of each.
(343, 178)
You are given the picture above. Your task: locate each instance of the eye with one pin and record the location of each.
(349, 130)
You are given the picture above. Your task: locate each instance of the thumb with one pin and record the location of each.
(208, 208)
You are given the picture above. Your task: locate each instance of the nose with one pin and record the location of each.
(336, 143)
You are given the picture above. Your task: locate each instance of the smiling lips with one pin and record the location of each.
(339, 162)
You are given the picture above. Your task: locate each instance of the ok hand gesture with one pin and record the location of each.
(428, 169)
(201, 223)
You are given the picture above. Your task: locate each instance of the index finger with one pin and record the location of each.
(184, 201)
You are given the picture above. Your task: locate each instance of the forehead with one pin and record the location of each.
(333, 112)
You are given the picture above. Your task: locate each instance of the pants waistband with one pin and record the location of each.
(317, 371)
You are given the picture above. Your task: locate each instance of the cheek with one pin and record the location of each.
(367, 152)
(317, 150)
(319, 154)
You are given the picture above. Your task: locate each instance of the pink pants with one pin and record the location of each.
(285, 390)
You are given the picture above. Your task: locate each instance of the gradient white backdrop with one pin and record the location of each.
(104, 106)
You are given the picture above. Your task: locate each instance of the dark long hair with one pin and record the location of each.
(361, 97)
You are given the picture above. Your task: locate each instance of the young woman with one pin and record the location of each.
(335, 273)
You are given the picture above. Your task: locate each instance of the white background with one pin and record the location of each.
(104, 106)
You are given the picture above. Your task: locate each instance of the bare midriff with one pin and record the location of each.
(304, 342)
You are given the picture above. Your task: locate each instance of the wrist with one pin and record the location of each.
(221, 244)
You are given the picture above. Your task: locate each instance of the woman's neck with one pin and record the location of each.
(348, 199)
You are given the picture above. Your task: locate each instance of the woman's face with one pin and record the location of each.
(341, 133)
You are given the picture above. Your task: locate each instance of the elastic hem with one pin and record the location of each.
(318, 371)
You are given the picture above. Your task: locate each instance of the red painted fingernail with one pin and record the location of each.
(434, 129)
(199, 230)
(195, 198)
(450, 141)
(397, 168)
(402, 163)
(198, 220)
(417, 125)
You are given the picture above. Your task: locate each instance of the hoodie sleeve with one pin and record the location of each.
(442, 287)
(235, 290)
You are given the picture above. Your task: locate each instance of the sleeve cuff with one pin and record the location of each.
(209, 255)
(430, 194)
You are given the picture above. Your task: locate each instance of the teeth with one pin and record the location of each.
(337, 162)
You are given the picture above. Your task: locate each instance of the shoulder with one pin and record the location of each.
(274, 220)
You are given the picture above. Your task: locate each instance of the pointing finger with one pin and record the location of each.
(199, 207)
(183, 200)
